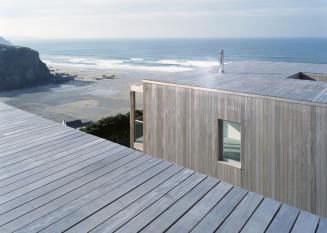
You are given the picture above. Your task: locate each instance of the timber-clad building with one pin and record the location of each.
(260, 125)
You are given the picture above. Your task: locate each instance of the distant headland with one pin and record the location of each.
(21, 67)
(3, 41)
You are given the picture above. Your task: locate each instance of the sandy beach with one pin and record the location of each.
(89, 96)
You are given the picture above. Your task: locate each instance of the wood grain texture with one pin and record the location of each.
(74, 182)
(283, 151)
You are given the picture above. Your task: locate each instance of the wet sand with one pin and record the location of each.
(89, 96)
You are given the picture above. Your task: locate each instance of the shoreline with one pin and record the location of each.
(92, 95)
(97, 93)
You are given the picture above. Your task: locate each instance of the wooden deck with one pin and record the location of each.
(55, 179)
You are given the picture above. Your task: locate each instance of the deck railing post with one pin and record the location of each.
(132, 119)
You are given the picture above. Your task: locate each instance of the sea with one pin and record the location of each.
(175, 55)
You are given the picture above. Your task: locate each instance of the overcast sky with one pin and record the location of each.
(162, 18)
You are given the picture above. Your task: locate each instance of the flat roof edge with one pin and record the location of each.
(246, 94)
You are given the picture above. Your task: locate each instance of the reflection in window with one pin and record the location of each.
(139, 129)
(229, 141)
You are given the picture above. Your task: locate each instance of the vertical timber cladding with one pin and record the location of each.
(284, 143)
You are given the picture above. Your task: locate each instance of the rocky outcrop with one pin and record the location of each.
(21, 67)
(4, 42)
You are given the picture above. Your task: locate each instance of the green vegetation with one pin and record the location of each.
(113, 128)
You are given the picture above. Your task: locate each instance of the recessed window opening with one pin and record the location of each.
(229, 141)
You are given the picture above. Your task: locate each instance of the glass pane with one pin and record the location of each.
(139, 131)
(231, 141)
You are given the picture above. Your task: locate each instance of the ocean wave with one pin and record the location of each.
(130, 64)
(190, 63)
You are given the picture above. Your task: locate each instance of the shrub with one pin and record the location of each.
(113, 128)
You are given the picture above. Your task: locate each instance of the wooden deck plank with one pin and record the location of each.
(153, 211)
(53, 178)
(22, 122)
(97, 206)
(35, 142)
(193, 216)
(10, 117)
(221, 211)
(322, 227)
(241, 214)
(33, 135)
(57, 159)
(37, 220)
(42, 143)
(19, 125)
(39, 150)
(107, 198)
(77, 161)
(284, 220)
(71, 187)
(44, 157)
(176, 211)
(82, 159)
(136, 196)
(262, 217)
(183, 180)
(306, 223)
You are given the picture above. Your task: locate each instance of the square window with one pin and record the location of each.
(229, 141)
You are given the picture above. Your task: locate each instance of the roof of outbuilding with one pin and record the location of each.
(263, 78)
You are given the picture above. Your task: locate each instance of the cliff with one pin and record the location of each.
(21, 67)
(4, 42)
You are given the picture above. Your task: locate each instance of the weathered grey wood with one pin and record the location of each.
(322, 227)
(82, 161)
(102, 215)
(181, 181)
(79, 182)
(284, 220)
(73, 201)
(153, 211)
(241, 214)
(29, 144)
(39, 150)
(29, 170)
(97, 154)
(61, 179)
(306, 223)
(108, 198)
(283, 154)
(53, 197)
(54, 221)
(12, 142)
(52, 165)
(62, 196)
(200, 209)
(221, 211)
(132, 119)
(171, 215)
(45, 157)
(14, 129)
(262, 216)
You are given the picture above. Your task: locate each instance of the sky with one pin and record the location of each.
(162, 18)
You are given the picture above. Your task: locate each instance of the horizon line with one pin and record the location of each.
(158, 38)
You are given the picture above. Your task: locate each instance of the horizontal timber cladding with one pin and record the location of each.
(283, 143)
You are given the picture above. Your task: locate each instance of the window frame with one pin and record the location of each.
(221, 158)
